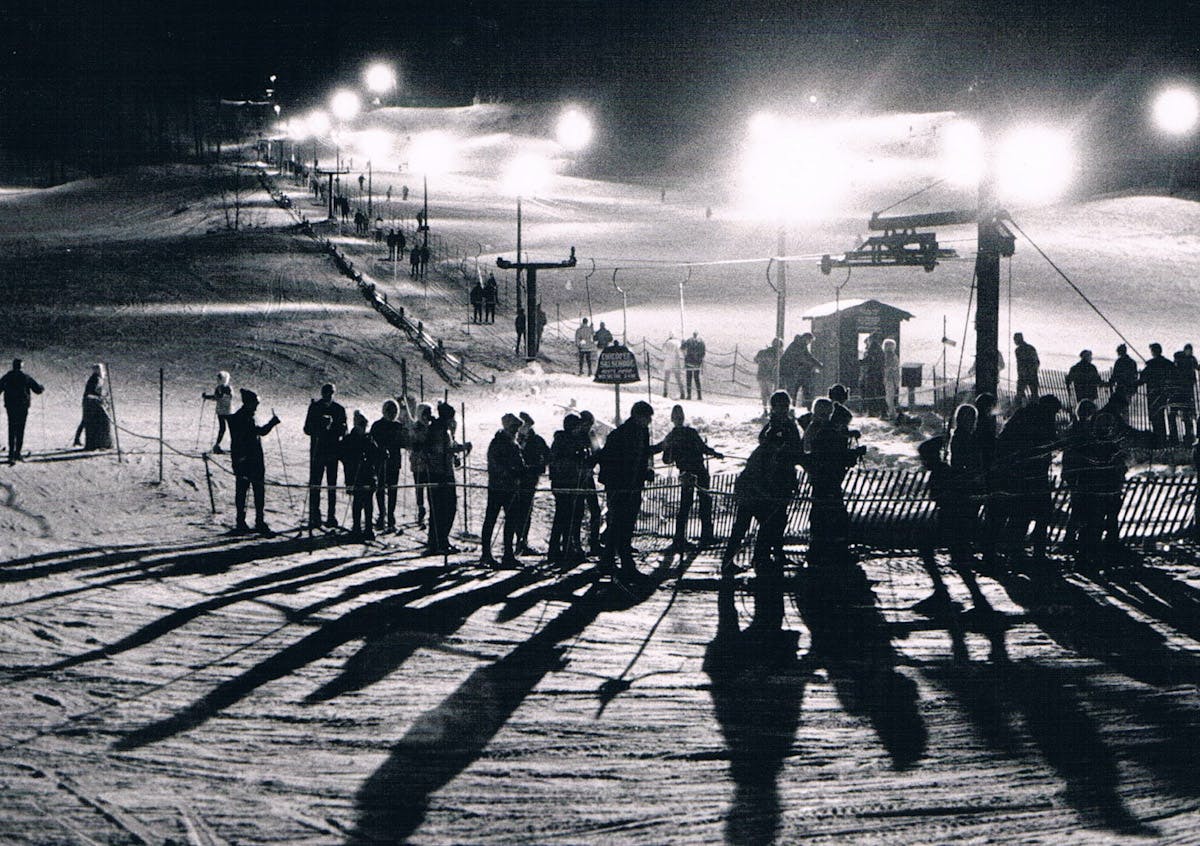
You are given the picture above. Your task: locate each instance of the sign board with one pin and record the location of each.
(617, 366)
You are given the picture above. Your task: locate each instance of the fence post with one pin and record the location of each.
(212, 502)
(161, 389)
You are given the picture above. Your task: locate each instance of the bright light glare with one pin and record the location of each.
(962, 153)
(1176, 110)
(432, 153)
(318, 123)
(526, 175)
(298, 130)
(375, 144)
(574, 130)
(1034, 164)
(380, 78)
(791, 169)
(345, 105)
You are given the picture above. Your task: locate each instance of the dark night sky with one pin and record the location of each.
(661, 71)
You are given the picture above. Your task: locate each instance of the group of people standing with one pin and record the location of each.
(683, 359)
(483, 300)
(18, 389)
(588, 341)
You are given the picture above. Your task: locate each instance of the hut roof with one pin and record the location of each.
(831, 308)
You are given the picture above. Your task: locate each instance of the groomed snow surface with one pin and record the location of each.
(167, 682)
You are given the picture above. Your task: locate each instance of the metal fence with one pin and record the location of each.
(890, 509)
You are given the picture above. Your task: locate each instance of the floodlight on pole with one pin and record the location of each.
(1176, 110)
(574, 129)
(345, 105)
(380, 78)
(1034, 164)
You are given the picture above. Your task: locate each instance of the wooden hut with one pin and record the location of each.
(840, 333)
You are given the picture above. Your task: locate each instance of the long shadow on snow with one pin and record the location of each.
(447, 739)
(207, 560)
(362, 622)
(1157, 594)
(284, 582)
(1084, 624)
(409, 629)
(852, 641)
(757, 690)
(50, 563)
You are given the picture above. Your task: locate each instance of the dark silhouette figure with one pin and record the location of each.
(505, 469)
(17, 385)
(1183, 398)
(827, 457)
(1084, 379)
(1028, 365)
(694, 351)
(871, 379)
(520, 324)
(767, 366)
(325, 425)
(246, 454)
(625, 467)
(95, 425)
(1159, 377)
(440, 454)
(1021, 471)
(536, 454)
(490, 295)
(392, 437)
(360, 457)
(568, 456)
(477, 303)
(798, 369)
(684, 448)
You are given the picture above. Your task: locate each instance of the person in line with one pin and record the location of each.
(361, 458)
(1024, 452)
(604, 337)
(418, 433)
(1084, 379)
(1075, 445)
(684, 448)
(325, 425)
(1124, 382)
(585, 342)
(693, 363)
(441, 455)
(1158, 375)
(477, 302)
(590, 498)
(539, 318)
(96, 425)
(625, 467)
(765, 488)
(490, 294)
(871, 380)
(246, 458)
(505, 468)
(17, 386)
(891, 377)
(424, 268)
(826, 458)
(536, 453)
(798, 369)
(391, 437)
(766, 364)
(222, 397)
(1028, 364)
(520, 323)
(414, 262)
(672, 365)
(567, 460)
(94, 419)
(1183, 400)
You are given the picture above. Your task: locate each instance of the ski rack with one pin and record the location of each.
(901, 245)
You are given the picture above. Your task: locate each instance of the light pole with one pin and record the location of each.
(345, 106)
(526, 175)
(1176, 111)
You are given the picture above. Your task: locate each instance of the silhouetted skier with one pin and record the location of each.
(17, 385)
(625, 467)
(536, 454)
(360, 457)
(391, 435)
(246, 458)
(490, 294)
(505, 467)
(684, 448)
(325, 424)
(1028, 364)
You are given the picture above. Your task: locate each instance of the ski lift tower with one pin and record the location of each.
(531, 301)
(331, 173)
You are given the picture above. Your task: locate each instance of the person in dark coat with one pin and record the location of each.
(1123, 381)
(95, 424)
(440, 453)
(392, 437)
(826, 458)
(418, 431)
(798, 369)
(539, 321)
(604, 336)
(694, 351)
(1084, 378)
(568, 457)
(490, 295)
(325, 425)
(505, 469)
(414, 261)
(684, 448)
(520, 323)
(246, 455)
(1183, 400)
(1028, 365)
(625, 467)
(1159, 377)
(477, 302)
(765, 487)
(536, 454)
(872, 383)
(1024, 451)
(424, 269)
(17, 385)
(590, 498)
(361, 457)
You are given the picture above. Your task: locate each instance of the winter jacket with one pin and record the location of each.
(568, 457)
(693, 353)
(1086, 379)
(625, 459)
(391, 436)
(245, 443)
(1027, 362)
(535, 453)
(603, 337)
(684, 448)
(360, 457)
(1125, 375)
(1159, 378)
(670, 353)
(16, 385)
(504, 462)
(585, 338)
(325, 423)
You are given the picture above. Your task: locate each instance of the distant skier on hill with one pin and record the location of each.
(222, 397)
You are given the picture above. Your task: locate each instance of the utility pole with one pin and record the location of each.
(531, 269)
(781, 289)
(330, 174)
(987, 277)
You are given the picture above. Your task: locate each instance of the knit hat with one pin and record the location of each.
(248, 395)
